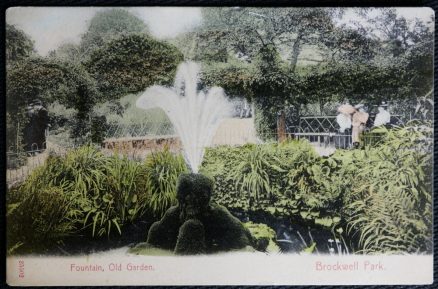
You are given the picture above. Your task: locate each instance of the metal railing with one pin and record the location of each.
(324, 130)
(21, 164)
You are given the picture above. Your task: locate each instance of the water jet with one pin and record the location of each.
(195, 114)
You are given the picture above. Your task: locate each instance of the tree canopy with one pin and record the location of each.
(354, 62)
(275, 57)
(18, 44)
(48, 80)
(131, 63)
(107, 25)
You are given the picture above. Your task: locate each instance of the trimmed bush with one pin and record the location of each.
(191, 238)
(196, 225)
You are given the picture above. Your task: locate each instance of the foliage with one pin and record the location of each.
(107, 25)
(255, 172)
(49, 80)
(19, 46)
(264, 237)
(373, 81)
(234, 78)
(264, 177)
(162, 172)
(191, 238)
(380, 196)
(39, 218)
(217, 164)
(389, 208)
(69, 52)
(220, 230)
(83, 192)
(296, 56)
(244, 31)
(132, 63)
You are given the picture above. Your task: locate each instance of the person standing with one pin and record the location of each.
(360, 118)
(344, 121)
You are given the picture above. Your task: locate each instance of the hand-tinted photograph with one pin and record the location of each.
(159, 145)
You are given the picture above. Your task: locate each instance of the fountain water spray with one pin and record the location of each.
(195, 115)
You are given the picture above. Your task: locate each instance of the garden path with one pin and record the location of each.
(235, 131)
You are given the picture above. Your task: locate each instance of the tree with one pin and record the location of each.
(110, 24)
(132, 63)
(18, 44)
(235, 78)
(385, 59)
(47, 80)
(246, 30)
(344, 44)
(68, 52)
(198, 46)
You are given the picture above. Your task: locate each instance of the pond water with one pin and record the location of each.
(294, 238)
(291, 238)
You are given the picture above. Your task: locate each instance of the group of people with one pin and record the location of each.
(356, 117)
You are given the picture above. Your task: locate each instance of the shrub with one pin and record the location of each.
(85, 191)
(191, 238)
(253, 173)
(33, 219)
(162, 172)
(380, 196)
(218, 163)
(283, 180)
(389, 207)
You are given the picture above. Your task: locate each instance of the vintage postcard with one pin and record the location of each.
(219, 146)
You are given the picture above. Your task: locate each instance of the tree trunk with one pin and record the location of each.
(281, 126)
(296, 49)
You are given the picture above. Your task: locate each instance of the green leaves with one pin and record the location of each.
(84, 191)
(162, 172)
(132, 63)
(380, 195)
(390, 204)
(18, 44)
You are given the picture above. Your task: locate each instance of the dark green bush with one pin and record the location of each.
(191, 238)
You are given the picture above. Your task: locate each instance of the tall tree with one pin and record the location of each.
(131, 63)
(48, 80)
(110, 24)
(246, 30)
(69, 52)
(18, 44)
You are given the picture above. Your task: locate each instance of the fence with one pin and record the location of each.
(21, 164)
(138, 130)
(324, 131)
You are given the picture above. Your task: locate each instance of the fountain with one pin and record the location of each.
(195, 115)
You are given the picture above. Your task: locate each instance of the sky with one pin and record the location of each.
(50, 27)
